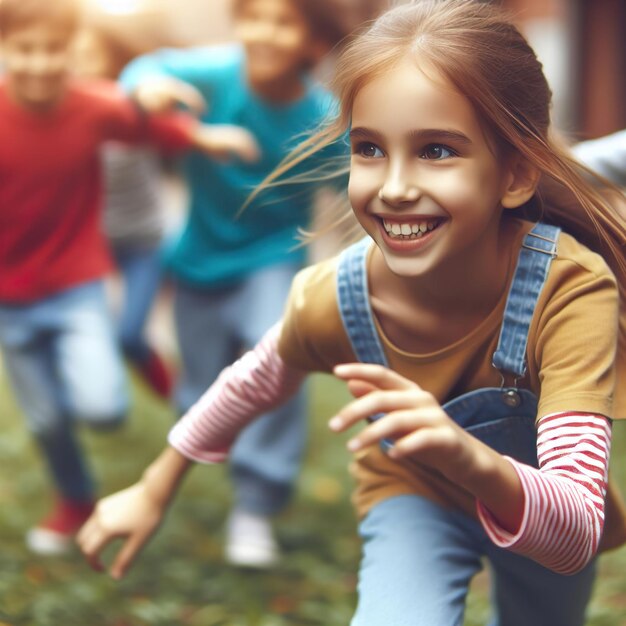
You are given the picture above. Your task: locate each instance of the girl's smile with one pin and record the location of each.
(409, 233)
(425, 183)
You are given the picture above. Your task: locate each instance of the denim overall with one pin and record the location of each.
(419, 558)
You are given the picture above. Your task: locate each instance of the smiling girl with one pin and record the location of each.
(485, 339)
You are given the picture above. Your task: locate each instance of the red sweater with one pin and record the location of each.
(50, 189)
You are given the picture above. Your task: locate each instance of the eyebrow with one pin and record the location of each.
(423, 135)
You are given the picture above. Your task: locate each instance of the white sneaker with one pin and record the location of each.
(48, 542)
(250, 541)
(55, 534)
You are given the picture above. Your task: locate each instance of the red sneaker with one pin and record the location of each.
(55, 533)
(156, 374)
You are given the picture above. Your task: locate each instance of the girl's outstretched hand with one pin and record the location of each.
(412, 417)
(132, 515)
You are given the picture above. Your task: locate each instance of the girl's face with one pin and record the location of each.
(424, 182)
(37, 60)
(277, 40)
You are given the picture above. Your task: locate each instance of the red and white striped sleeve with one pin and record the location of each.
(564, 500)
(258, 382)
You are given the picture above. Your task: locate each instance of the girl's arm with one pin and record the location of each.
(563, 516)
(256, 383)
(553, 515)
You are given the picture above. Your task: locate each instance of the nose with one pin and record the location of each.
(40, 64)
(262, 31)
(399, 185)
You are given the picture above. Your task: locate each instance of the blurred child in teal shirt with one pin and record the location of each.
(232, 269)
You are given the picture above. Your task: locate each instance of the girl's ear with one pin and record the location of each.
(522, 180)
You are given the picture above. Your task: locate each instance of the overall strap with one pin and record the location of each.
(354, 304)
(537, 251)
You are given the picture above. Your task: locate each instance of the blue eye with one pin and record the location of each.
(437, 152)
(368, 150)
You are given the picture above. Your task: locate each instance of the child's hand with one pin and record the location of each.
(163, 94)
(412, 417)
(225, 141)
(133, 515)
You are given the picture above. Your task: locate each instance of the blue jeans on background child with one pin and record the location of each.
(141, 274)
(64, 365)
(214, 328)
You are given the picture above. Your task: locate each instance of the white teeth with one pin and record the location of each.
(413, 230)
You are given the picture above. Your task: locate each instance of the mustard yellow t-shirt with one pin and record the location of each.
(571, 357)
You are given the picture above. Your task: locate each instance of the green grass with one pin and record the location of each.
(181, 579)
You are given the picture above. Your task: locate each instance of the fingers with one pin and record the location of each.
(126, 556)
(153, 100)
(377, 402)
(242, 143)
(91, 540)
(376, 375)
(359, 388)
(397, 425)
(190, 97)
(225, 141)
(250, 152)
(417, 442)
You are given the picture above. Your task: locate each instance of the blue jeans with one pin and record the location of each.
(213, 329)
(63, 362)
(140, 271)
(418, 561)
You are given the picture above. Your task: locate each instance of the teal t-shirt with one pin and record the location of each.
(216, 245)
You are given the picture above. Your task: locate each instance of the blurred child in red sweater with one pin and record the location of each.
(56, 337)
